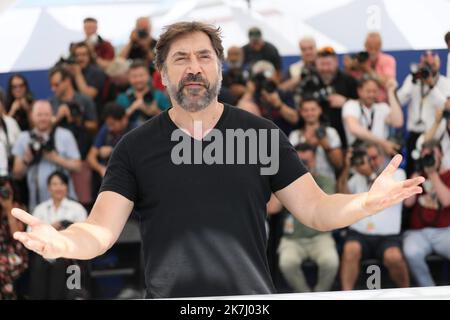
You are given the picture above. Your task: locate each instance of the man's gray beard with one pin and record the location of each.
(196, 103)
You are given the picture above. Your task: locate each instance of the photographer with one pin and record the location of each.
(367, 120)
(258, 49)
(19, 100)
(308, 52)
(48, 277)
(374, 64)
(330, 86)
(430, 214)
(89, 79)
(425, 91)
(235, 77)
(9, 132)
(116, 125)
(141, 101)
(377, 236)
(13, 255)
(264, 99)
(440, 131)
(300, 243)
(141, 44)
(41, 151)
(329, 157)
(104, 51)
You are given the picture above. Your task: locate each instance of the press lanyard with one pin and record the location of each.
(366, 119)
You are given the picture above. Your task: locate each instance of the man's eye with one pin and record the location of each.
(205, 57)
(180, 59)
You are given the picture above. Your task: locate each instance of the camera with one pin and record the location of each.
(361, 57)
(321, 132)
(5, 193)
(358, 157)
(263, 82)
(69, 60)
(427, 161)
(75, 109)
(142, 33)
(38, 145)
(446, 114)
(420, 72)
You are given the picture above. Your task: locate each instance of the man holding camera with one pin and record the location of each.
(331, 87)
(141, 44)
(88, 77)
(141, 101)
(425, 91)
(264, 99)
(328, 154)
(430, 217)
(367, 120)
(103, 49)
(41, 151)
(376, 236)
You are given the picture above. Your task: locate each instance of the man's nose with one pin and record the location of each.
(194, 66)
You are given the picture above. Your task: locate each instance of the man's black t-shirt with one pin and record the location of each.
(203, 225)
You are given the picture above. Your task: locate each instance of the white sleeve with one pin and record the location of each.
(333, 138)
(351, 109)
(404, 93)
(13, 130)
(294, 137)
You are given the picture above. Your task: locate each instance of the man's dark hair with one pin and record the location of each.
(302, 147)
(138, 63)
(82, 44)
(65, 74)
(176, 30)
(89, 19)
(361, 83)
(61, 175)
(308, 98)
(113, 110)
(447, 37)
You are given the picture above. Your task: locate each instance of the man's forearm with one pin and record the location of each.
(86, 240)
(339, 210)
(289, 114)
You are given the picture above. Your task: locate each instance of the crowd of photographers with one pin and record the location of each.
(345, 123)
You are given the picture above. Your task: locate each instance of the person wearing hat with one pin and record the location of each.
(259, 49)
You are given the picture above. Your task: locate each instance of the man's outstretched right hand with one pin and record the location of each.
(42, 239)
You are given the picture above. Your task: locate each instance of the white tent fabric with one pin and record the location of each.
(35, 33)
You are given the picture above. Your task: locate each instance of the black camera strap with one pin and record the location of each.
(423, 95)
(366, 119)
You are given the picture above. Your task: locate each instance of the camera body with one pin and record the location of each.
(310, 86)
(358, 157)
(38, 145)
(361, 57)
(263, 82)
(426, 161)
(321, 132)
(446, 114)
(420, 72)
(5, 192)
(142, 33)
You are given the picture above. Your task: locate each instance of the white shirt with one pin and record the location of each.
(322, 164)
(3, 161)
(434, 99)
(374, 117)
(386, 222)
(13, 132)
(68, 210)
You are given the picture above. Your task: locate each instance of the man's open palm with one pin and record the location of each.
(386, 192)
(42, 239)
